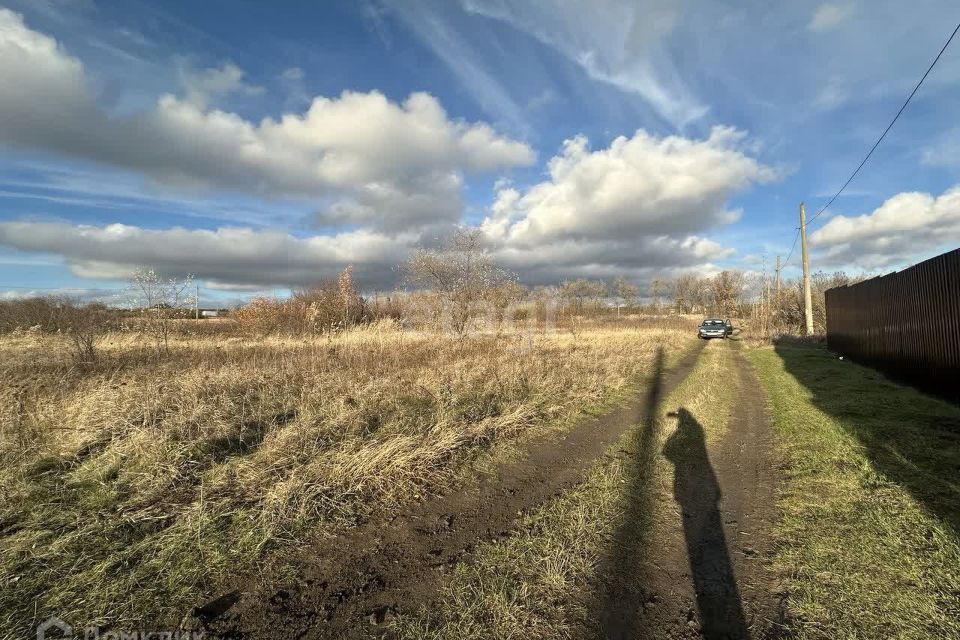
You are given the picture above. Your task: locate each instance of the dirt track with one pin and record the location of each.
(702, 574)
(702, 577)
(347, 586)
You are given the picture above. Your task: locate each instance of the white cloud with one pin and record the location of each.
(637, 208)
(625, 44)
(905, 228)
(89, 294)
(640, 203)
(345, 147)
(639, 185)
(393, 171)
(222, 257)
(829, 16)
(465, 61)
(206, 86)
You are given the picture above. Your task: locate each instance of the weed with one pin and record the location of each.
(138, 488)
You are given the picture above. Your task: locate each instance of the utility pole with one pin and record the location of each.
(775, 312)
(807, 302)
(196, 304)
(778, 278)
(764, 295)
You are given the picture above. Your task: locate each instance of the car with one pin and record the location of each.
(715, 328)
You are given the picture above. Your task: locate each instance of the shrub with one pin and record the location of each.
(331, 306)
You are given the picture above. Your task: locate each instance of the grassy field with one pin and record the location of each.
(549, 580)
(866, 546)
(870, 507)
(136, 489)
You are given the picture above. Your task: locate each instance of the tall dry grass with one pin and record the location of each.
(134, 489)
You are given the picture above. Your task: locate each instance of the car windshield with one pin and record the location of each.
(712, 323)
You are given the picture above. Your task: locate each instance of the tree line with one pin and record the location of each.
(454, 286)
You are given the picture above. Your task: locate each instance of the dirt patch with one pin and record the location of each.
(702, 573)
(348, 586)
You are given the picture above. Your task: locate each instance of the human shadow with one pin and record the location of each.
(696, 490)
(911, 438)
(622, 604)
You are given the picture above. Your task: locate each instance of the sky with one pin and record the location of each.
(265, 147)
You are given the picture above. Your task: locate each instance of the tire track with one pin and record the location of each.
(703, 573)
(347, 586)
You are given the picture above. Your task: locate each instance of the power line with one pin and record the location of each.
(792, 247)
(875, 144)
(889, 126)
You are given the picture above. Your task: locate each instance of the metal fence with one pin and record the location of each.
(907, 323)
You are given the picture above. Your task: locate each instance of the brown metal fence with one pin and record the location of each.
(906, 324)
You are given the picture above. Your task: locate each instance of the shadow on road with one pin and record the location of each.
(696, 490)
(620, 615)
(624, 612)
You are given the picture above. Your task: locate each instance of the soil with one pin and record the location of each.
(348, 586)
(704, 572)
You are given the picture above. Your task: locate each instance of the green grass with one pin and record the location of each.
(546, 581)
(870, 503)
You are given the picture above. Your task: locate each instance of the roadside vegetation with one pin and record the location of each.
(556, 575)
(150, 460)
(870, 506)
(134, 488)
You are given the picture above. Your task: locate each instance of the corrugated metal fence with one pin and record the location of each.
(906, 324)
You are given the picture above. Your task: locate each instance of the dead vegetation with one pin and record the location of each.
(136, 486)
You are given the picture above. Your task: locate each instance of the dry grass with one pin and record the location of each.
(134, 490)
(547, 580)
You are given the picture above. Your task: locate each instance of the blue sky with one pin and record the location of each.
(263, 148)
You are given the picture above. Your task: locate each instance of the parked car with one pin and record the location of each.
(715, 328)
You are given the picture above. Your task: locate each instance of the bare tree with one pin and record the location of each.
(545, 299)
(580, 291)
(499, 298)
(689, 293)
(462, 272)
(626, 291)
(788, 313)
(86, 325)
(727, 292)
(159, 300)
(658, 287)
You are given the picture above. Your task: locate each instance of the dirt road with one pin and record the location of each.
(347, 586)
(703, 576)
(700, 572)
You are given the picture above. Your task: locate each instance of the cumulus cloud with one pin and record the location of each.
(637, 208)
(829, 16)
(904, 229)
(226, 257)
(638, 259)
(642, 202)
(391, 173)
(351, 145)
(428, 202)
(640, 185)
